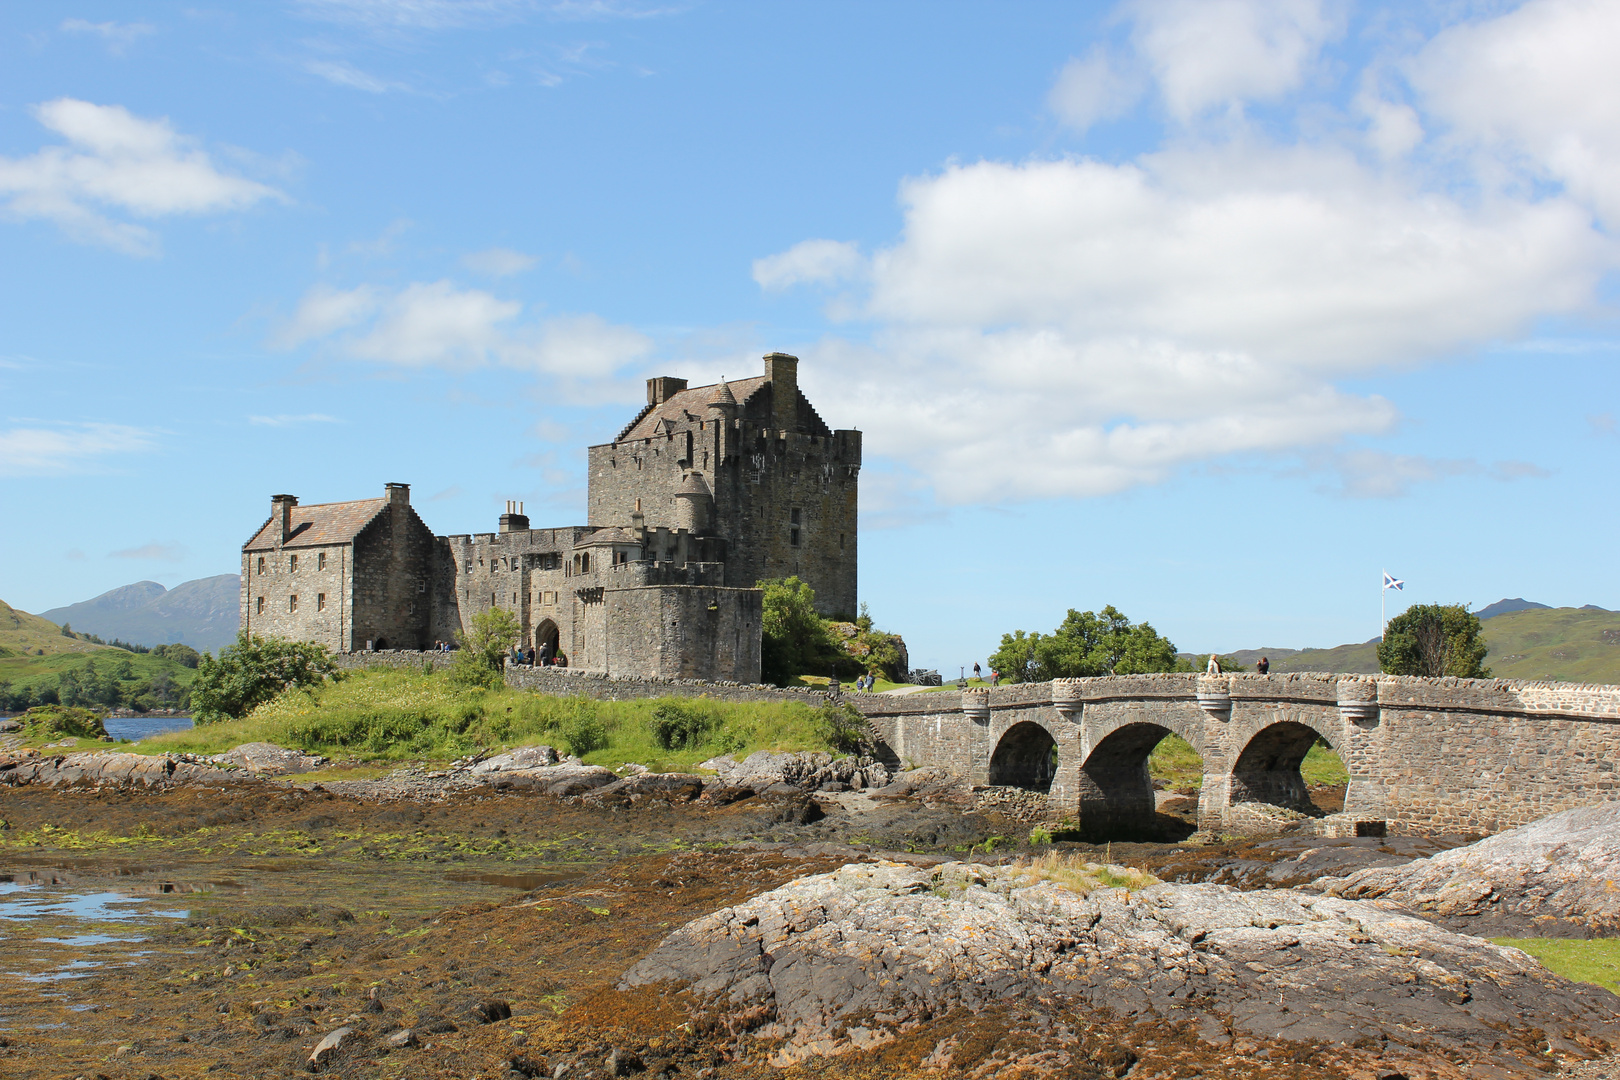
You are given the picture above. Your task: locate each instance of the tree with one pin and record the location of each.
(251, 672)
(67, 630)
(483, 647)
(1434, 640)
(1087, 643)
(793, 638)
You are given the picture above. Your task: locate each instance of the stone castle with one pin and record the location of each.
(707, 491)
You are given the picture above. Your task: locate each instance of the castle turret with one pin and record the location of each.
(694, 504)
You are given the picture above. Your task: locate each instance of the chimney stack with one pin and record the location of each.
(663, 388)
(783, 372)
(281, 515)
(514, 520)
(399, 494)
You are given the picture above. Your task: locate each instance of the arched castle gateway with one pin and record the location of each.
(1424, 755)
(705, 492)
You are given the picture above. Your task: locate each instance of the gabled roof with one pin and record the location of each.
(613, 534)
(694, 401)
(320, 524)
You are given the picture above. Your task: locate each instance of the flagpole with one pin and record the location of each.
(1383, 591)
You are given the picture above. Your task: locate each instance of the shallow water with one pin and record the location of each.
(136, 728)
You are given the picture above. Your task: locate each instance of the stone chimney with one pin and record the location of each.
(783, 372)
(663, 388)
(281, 515)
(514, 520)
(399, 494)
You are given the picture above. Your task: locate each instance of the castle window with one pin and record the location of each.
(793, 537)
(793, 515)
(292, 603)
(260, 610)
(320, 601)
(413, 610)
(261, 565)
(320, 560)
(421, 587)
(292, 564)
(492, 600)
(840, 541)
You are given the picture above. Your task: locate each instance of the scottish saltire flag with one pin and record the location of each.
(1391, 583)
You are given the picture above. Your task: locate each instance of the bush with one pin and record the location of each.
(58, 721)
(254, 671)
(678, 726)
(842, 727)
(184, 655)
(584, 732)
(482, 655)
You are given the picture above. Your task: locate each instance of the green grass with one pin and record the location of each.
(1176, 763)
(1596, 961)
(403, 715)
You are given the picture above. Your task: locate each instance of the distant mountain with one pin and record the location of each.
(24, 634)
(1502, 607)
(1530, 641)
(203, 613)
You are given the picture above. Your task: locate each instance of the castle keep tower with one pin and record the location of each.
(783, 484)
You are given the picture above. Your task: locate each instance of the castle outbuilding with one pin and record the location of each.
(707, 491)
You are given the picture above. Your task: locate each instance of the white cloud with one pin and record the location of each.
(1538, 86)
(118, 36)
(58, 449)
(119, 161)
(1374, 474)
(344, 73)
(498, 262)
(324, 311)
(1101, 325)
(1093, 88)
(153, 552)
(817, 261)
(288, 420)
(438, 324)
(1206, 54)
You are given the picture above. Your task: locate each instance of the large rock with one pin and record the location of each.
(847, 959)
(523, 757)
(806, 769)
(268, 759)
(103, 770)
(1557, 877)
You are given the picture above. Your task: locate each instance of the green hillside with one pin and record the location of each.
(1562, 644)
(108, 677)
(22, 633)
(1566, 644)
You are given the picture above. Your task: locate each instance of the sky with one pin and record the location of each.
(1212, 310)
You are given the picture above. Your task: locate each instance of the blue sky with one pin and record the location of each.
(1208, 309)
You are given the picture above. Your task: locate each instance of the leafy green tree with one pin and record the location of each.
(67, 630)
(251, 672)
(1087, 643)
(794, 639)
(1434, 640)
(184, 655)
(484, 647)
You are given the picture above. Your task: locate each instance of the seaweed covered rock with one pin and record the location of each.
(62, 721)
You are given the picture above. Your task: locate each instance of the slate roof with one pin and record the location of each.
(613, 534)
(692, 402)
(319, 524)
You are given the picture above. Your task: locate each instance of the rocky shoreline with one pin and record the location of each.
(815, 917)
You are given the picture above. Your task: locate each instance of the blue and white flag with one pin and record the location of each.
(1391, 583)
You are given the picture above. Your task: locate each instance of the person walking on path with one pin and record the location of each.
(976, 674)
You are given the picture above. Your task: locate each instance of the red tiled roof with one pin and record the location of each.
(695, 401)
(322, 523)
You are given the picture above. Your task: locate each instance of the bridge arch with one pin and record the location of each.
(1117, 798)
(1026, 756)
(1267, 768)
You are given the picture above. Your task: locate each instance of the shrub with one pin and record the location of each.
(483, 648)
(678, 726)
(842, 727)
(584, 732)
(252, 672)
(57, 721)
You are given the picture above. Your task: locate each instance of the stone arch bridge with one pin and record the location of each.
(1424, 755)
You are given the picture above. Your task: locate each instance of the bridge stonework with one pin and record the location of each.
(1424, 755)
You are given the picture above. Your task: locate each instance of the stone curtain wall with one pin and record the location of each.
(688, 632)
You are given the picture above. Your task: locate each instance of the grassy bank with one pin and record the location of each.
(402, 715)
(1596, 961)
(1176, 763)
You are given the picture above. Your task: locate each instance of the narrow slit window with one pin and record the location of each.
(292, 603)
(261, 565)
(292, 564)
(320, 560)
(260, 606)
(320, 601)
